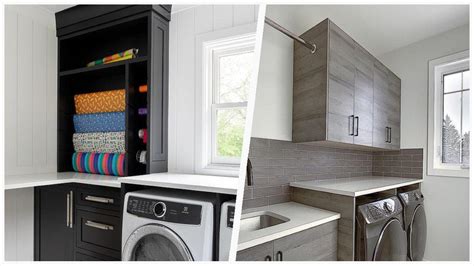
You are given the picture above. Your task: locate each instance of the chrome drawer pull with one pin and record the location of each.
(99, 199)
(99, 226)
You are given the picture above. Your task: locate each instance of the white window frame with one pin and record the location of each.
(437, 69)
(217, 43)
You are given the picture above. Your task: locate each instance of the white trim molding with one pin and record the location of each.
(436, 69)
(240, 37)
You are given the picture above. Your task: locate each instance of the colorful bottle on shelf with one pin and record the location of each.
(142, 111)
(143, 134)
(143, 88)
(141, 157)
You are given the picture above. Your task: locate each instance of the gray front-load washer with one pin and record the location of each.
(414, 222)
(379, 231)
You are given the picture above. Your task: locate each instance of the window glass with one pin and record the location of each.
(230, 131)
(234, 77)
(452, 82)
(456, 126)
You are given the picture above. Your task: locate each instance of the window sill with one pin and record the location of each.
(220, 169)
(446, 172)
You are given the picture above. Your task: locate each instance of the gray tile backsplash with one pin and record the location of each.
(277, 163)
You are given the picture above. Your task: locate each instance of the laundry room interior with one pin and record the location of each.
(236, 132)
(115, 149)
(360, 137)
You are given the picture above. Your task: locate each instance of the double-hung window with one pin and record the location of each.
(449, 115)
(227, 74)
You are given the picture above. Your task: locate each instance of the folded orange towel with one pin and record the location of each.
(100, 102)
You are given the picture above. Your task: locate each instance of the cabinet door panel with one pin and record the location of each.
(381, 106)
(56, 238)
(364, 96)
(257, 253)
(309, 245)
(341, 74)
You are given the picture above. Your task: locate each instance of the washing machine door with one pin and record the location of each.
(392, 243)
(155, 242)
(417, 234)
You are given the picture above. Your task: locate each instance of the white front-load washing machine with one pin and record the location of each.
(166, 226)
(225, 232)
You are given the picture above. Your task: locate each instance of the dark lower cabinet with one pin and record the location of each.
(315, 244)
(54, 233)
(77, 222)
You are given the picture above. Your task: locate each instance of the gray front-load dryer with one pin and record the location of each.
(415, 223)
(379, 231)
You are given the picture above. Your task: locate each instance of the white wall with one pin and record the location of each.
(446, 198)
(30, 120)
(274, 98)
(186, 24)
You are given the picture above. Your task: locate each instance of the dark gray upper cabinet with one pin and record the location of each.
(343, 94)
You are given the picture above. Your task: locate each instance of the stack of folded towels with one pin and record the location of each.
(99, 138)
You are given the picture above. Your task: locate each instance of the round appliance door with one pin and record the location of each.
(155, 243)
(417, 234)
(392, 243)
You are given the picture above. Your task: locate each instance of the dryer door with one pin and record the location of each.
(417, 234)
(155, 242)
(392, 242)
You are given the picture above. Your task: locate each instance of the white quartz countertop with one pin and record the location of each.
(205, 183)
(301, 217)
(36, 180)
(356, 186)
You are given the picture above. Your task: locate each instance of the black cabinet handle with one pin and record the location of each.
(389, 135)
(279, 256)
(357, 126)
(351, 125)
(386, 135)
(268, 258)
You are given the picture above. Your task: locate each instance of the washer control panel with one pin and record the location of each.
(380, 210)
(167, 211)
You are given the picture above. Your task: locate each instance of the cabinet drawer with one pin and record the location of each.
(99, 197)
(98, 233)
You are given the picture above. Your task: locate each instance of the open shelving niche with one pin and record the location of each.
(75, 51)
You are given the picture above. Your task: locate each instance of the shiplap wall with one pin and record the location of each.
(30, 116)
(30, 90)
(185, 25)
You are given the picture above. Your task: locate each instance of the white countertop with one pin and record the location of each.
(301, 217)
(356, 186)
(35, 180)
(205, 183)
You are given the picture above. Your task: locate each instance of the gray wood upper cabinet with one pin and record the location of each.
(315, 244)
(343, 94)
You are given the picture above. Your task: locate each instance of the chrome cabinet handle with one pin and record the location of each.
(357, 126)
(279, 256)
(99, 199)
(99, 225)
(71, 209)
(68, 205)
(351, 125)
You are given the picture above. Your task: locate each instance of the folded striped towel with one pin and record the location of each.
(99, 163)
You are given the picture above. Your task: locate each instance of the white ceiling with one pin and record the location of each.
(378, 28)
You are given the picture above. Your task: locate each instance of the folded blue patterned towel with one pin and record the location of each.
(99, 122)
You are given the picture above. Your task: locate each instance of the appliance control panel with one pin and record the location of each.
(412, 197)
(167, 211)
(230, 216)
(379, 210)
